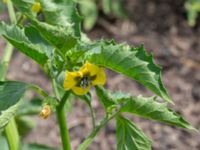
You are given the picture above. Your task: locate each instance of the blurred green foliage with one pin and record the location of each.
(193, 8)
(89, 9)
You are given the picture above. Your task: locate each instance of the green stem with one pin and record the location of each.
(11, 131)
(8, 53)
(63, 100)
(60, 112)
(5, 60)
(92, 115)
(38, 90)
(12, 135)
(11, 12)
(63, 129)
(93, 134)
(9, 48)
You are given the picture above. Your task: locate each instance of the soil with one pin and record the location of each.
(162, 27)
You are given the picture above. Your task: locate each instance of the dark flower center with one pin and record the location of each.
(85, 82)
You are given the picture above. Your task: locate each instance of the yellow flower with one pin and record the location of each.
(81, 81)
(36, 7)
(46, 111)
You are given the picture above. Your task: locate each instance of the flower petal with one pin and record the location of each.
(69, 80)
(79, 90)
(92, 69)
(100, 77)
(36, 7)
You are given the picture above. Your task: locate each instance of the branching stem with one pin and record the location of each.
(93, 134)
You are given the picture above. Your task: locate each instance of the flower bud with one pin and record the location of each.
(46, 111)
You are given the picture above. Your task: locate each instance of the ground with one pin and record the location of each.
(162, 27)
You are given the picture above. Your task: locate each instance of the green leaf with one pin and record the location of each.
(62, 14)
(57, 65)
(10, 93)
(151, 109)
(36, 39)
(56, 13)
(89, 10)
(130, 137)
(37, 147)
(22, 42)
(105, 97)
(25, 6)
(7, 115)
(132, 62)
(60, 37)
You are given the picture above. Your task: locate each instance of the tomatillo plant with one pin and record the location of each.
(49, 33)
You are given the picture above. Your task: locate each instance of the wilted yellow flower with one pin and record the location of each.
(36, 7)
(46, 111)
(81, 81)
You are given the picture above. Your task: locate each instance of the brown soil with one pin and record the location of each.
(161, 25)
